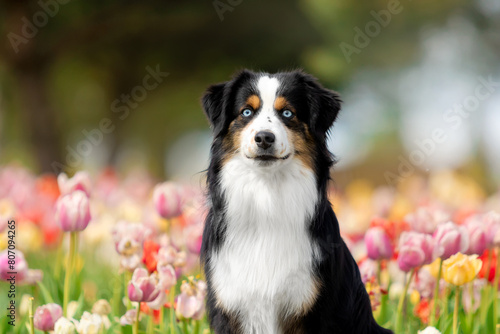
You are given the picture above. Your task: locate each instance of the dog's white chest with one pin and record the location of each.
(263, 270)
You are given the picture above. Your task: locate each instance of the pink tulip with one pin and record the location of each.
(378, 244)
(129, 239)
(170, 255)
(80, 181)
(368, 270)
(23, 275)
(129, 317)
(426, 219)
(478, 235)
(167, 276)
(167, 198)
(415, 250)
(73, 211)
(46, 316)
(194, 235)
(492, 222)
(146, 288)
(450, 239)
(191, 301)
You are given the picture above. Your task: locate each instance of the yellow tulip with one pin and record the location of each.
(434, 268)
(460, 269)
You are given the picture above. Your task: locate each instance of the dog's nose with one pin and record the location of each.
(264, 139)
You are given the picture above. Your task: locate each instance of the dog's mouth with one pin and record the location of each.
(268, 157)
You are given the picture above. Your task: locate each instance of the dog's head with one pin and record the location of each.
(269, 120)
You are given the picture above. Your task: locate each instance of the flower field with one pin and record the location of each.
(106, 253)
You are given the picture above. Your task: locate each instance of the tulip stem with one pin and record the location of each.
(399, 319)
(436, 293)
(30, 314)
(172, 310)
(455, 310)
(495, 288)
(69, 269)
(196, 327)
(135, 329)
(162, 319)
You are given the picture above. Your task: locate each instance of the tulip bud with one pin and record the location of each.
(101, 307)
(73, 211)
(415, 250)
(450, 239)
(89, 324)
(378, 244)
(478, 235)
(46, 316)
(64, 326)
(167, 199)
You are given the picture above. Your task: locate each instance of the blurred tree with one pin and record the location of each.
(70, 60)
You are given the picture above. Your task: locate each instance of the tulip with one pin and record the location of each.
(128, 318)
(89, 324)
(429, 330)
(450, 239)
(46, 316)
(191, 301)
(73, 215)
(426, 219)
(143, 287)
(167, 199)
(378, 244)
(478, 235)
(101, 307)
(129, 239)
(80, 181)
(492, 222)
(460, 269)
(170, 255)
(64, 326)
(425, 282)
(23, 275)
(415, 250)
(368, 270)
(73, 211)
(167, 276)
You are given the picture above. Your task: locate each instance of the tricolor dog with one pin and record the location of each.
(272, 252)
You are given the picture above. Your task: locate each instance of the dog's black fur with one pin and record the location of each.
(342, 305)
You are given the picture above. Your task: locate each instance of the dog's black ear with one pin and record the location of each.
(324, 105)
(219, 99)
(213, 106)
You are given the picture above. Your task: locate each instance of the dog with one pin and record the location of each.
(272, 252)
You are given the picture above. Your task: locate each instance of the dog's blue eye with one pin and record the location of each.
(247, 113)
(287, 113)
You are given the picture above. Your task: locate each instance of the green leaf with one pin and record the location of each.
(47, 298)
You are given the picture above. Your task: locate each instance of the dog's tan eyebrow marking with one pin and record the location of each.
(253, 101)
(281, 103)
